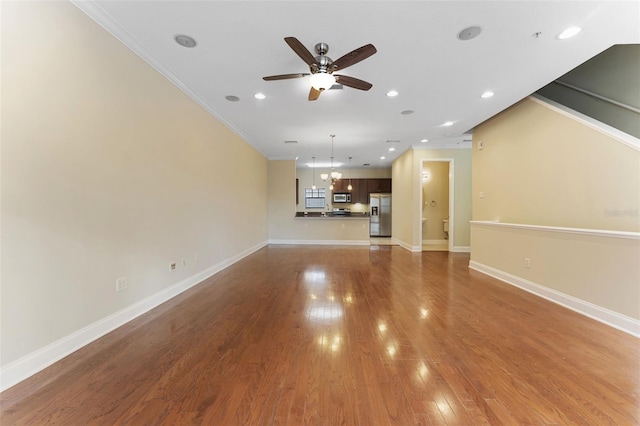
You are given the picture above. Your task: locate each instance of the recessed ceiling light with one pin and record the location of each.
(487, 94)
(569, 32)
(392, 93)
(232, 98)
(391, 149)
(383, 158)
(424, 140)
(407, 112)
(185, 40)
(448, 123)
(469, 33)
(259, 96)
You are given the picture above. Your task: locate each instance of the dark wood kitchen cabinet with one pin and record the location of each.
(378, 186)
(359, 192)
(340, 186)
(361, 188)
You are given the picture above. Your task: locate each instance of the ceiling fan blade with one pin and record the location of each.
(284, 76)
(353, 82)
(354, 57)
(301, 51)
(314, 94)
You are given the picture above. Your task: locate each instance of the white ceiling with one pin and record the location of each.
(438, 76)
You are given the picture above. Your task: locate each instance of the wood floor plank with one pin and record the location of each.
(343, 335)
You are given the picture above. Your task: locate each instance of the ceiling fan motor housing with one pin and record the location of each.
(324, 63)
(322, 48)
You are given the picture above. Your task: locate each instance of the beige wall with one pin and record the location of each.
(544, 168)
(281, 195)
(403, 215)
(285, 228)
(601, 270)
(107, 171)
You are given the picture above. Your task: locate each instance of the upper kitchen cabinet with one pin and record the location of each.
(341, 185)
(361, 188)
(359, 193)
(378, 186)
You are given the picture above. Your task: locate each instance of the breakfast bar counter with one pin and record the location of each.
(331, 215)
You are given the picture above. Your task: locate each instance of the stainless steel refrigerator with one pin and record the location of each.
(380, 210)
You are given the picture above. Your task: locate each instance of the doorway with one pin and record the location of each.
(436, 205)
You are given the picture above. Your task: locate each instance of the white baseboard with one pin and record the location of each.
(322, 242)
(25, 367)
(454, 249)
(413, 249)
(598, 313)
(435, 241)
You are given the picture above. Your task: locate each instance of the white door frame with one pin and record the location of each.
(451, 197)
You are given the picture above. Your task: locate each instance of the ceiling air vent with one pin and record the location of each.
(290, 142)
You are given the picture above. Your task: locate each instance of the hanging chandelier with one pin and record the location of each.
(333, 176)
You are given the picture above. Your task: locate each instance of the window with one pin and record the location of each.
(314, 198)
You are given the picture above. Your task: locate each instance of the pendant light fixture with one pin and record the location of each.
(313, 173)
(349, 188)
(334, 176)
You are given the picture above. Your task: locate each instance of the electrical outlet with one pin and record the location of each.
(195, 257)
(121, 284)
(527, 262)
(173, 266)
(183, 262)
(481, 194)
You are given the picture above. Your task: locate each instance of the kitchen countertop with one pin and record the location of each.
(331, 215)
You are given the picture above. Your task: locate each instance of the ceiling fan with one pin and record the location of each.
(321, 67)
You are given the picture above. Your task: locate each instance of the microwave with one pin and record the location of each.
(342, 197)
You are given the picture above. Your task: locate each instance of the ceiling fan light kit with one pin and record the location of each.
(322, 81)
(322, 67)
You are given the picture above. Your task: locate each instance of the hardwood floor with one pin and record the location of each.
(344, 335)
